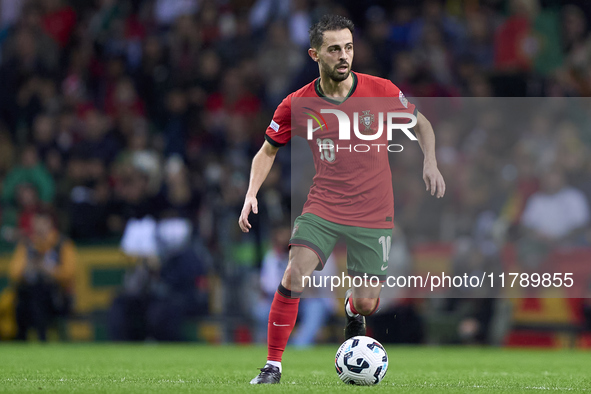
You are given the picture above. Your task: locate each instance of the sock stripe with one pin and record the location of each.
(288, 293)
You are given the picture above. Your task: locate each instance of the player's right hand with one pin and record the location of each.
(250, 204)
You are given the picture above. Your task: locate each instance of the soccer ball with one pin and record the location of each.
(362, 361)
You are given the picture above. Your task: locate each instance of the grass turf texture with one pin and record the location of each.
(122, 368)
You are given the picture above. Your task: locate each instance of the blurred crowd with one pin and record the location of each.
(113, 110)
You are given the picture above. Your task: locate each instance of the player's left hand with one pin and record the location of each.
(433, 180)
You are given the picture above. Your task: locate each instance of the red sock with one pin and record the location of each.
(282, 319)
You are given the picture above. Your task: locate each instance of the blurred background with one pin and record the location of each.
(127, 128)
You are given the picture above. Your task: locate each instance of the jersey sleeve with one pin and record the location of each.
(401, 101)
(279, 131)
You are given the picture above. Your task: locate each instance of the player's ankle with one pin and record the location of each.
(275, 364)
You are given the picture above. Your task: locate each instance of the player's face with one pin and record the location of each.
(336, 54)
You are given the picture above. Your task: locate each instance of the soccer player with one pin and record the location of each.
(351, 196)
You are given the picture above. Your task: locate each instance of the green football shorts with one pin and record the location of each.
(367, 248)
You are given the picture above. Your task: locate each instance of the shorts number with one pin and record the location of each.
(326, 147)
(386, 242)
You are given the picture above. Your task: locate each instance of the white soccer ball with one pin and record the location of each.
(362, 361)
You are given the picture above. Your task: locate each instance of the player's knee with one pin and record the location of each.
(301, 265)
(365, 306)
(286, 278)
(296, 277)
(292, 278)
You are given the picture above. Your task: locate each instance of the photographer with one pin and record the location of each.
(42, 270)
(165, 287)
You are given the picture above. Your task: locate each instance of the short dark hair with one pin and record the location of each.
(330, 23)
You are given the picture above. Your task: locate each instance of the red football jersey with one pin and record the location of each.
(353, 182)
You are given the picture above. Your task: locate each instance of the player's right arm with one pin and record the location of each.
(278, 134)
(261, 165)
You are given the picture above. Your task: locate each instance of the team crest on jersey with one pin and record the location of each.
(403, 99)
(366, 119)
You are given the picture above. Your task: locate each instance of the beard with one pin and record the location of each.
(333, 73)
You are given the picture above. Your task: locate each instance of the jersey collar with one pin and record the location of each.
(320, 93)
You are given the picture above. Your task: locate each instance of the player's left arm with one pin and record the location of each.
(431, 175)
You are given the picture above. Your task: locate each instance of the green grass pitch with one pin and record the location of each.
(183, 368)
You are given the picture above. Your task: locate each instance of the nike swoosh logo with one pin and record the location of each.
(280, 325)
(383, 268)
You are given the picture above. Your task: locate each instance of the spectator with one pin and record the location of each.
(378, 36)
(433, 52)
(167, 11)
(98, 141)
(577, 45)
(299, 22)
(30, 171)
(9, 12)
(59, 21)
(512, 52)
(36, 96)
(6, 151)
(123, 100)
(232, 98)
(26, 59)
(479, 46)
(240, 44)
(42, 269)
(402, 25)
(17, 219)
(140, 154)
(176, 198)
(131, 197)
(153, 76)
(87, 202)
(555, 216)
(27, 204)
(209, 73)
(176, 126)
(104, 21)
(44, 135)
(184, 48)
(433, 14)
(264, 11)
(539, 140)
